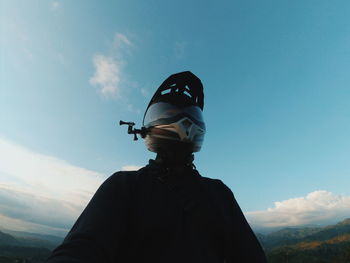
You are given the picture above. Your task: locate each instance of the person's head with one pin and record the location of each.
(173, 118)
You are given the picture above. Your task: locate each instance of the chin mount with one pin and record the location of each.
(131, 130)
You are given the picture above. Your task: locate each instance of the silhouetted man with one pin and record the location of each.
(166, 211)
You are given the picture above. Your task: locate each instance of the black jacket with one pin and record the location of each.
(154, 215)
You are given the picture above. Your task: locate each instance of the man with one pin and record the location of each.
(165, 212)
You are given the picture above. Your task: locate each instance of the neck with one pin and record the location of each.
(174, 159)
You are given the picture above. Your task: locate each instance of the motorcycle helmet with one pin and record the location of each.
(173, 118)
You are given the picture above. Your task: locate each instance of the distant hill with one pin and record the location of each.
(23, 254)
(31, 247)
(34, 239)
(6, 239)
(55, 240)
(309, 244)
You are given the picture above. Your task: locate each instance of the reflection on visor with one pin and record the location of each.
(165, 112)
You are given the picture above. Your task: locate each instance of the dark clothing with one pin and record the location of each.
(154, 215)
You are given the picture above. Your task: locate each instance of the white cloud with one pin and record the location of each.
(55, 5)
(145, 92)
(121, 39)
(41, 191)
(107, 75)
(132, 108)
(179, 49)
(131, 167)
(318, 207)
(61, 58)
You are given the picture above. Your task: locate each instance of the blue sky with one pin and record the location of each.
(276, 79)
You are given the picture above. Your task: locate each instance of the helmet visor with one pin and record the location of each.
(165, 113)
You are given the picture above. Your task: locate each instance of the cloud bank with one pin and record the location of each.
(41, 192)
(318, 207)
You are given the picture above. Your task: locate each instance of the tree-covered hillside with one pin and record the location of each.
(330, 244)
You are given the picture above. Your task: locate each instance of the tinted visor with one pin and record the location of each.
(162, 113)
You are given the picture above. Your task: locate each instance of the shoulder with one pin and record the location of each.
(216, 183)
(219, 191)
(217, 188)
(122, 179)
(119, 185)
(125, 176)
(121, 176)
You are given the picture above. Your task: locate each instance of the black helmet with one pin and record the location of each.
(173, 118)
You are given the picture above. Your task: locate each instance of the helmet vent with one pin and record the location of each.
(166, 91)
(177, 90)
(187, 93)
